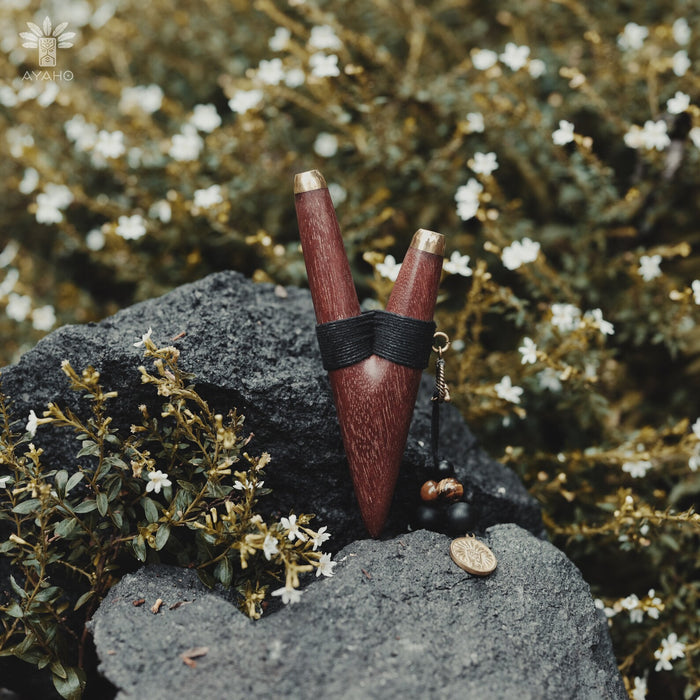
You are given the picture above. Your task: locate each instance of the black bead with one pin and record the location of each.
(460, 518)
(427, 518)
(445, 469)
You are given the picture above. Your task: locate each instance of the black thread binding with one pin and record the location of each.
(347, 341)
(400, 339)
(403, 340)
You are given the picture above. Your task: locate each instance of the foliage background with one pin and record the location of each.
(387, 123)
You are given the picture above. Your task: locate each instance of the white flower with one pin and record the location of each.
(529, 351)
(639, 690)
(566, 317)
(325, 566)
(483, 59)
(484, 163)
(634, 138)
(564, 134)
(110, 144)
(146, 98)
(655, 135)
(146, 336)
(475, 122)
(506, 391)
(270, 546)
(324, 37)
(18, 307)
(536, 67)
(320, 537)
(8, 253)
(596, 316)
(186, 145)
(467, 198)
(161, 210)
(95, 239)
(548, 379)
(3, 481)
(696, 428)
(630, 602)
(290, 524)
(8, 284)
(670, 649)
(208, 197)
(694, 134)
(271, 72)
(695, 286)
(636, 616)
(244, 100)
(205, 118)
(294, 77)
(457, 265)
(326, 145)
(681, 31)
(44, 318)
(519, 253)
(649, 267)
(389, 268)
(32, 424)
(157, 480)
(289, 595)
(279, 39)
(80, 132)
(323, 66)
(638, 469)
(338, 193)
(514, 56)
(678, 103)
(131, 228)
(50, 202)
(681, 63)
(632, 36)
(30, 181)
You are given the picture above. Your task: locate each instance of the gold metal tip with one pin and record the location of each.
(309, 180)
(429, 241)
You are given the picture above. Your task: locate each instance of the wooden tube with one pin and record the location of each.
(374, 398)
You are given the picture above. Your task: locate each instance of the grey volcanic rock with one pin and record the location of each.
(255, 349)
(397, 620)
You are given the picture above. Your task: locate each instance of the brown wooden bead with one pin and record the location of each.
(450, 489)
(429, 491)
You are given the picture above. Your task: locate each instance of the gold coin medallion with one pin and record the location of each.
(472, 555)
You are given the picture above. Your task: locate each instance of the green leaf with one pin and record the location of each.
(139, 545)
(150, 509)
(90, 447)
(66, 527)
(102, 502)
(17, 588)
(224, 572)
(61, 480)
(162, 537)
(117, 461)
(58, 670)
(118, 518)
(14, 610)
(114, 487)
(47, 594)
(71, 687)
(87, 506)
(31, 505)
(75, 478)
(83, 599)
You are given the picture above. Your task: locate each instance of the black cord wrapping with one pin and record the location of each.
(399, 339)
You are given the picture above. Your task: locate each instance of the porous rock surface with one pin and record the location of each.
(253, 347)
(398, 619)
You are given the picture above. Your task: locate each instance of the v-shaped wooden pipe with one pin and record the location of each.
(374, 398)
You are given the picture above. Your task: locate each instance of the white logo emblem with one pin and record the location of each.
(47, 42)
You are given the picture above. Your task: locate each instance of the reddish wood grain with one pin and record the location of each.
(375, 398)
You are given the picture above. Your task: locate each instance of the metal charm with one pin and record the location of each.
(472, 555)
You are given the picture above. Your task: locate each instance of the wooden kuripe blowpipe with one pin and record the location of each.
(375, 397)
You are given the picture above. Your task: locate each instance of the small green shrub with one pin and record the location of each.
(179, 488)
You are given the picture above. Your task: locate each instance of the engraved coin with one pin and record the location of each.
(473, 556)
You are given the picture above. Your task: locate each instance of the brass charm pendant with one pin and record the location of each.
(472, 555)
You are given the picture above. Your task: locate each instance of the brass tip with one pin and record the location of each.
(429, 241)
(309, 180)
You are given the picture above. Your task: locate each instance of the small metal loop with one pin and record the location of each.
(441, 348)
